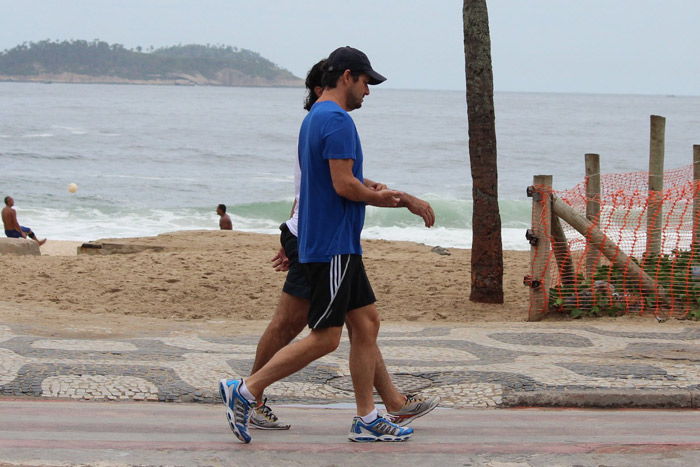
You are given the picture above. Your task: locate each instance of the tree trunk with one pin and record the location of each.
(487, 248)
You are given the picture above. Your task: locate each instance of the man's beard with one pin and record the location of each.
(356, 104)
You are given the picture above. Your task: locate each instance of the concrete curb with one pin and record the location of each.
(606, 399)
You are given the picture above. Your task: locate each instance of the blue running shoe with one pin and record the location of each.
(379, 430)
(237, 408)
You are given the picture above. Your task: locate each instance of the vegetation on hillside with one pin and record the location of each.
(98, 58)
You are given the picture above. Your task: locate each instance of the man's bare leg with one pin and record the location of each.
(286, 324)
(402, 408)
(289, 320)
(293, 358)
(365, 327)
(240, 396)
(32, 235)
(391, 397)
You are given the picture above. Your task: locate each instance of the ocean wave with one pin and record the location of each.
(91, 217)
(273, 179)
(144, 177)
(72, 130)
(511, 239)
(91, 225)
(451, 213)
(44, 157)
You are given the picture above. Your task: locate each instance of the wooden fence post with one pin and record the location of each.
(655, 211)
(592, 209)
(560, 246)
(540, 250)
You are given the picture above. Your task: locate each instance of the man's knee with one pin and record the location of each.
(326, 339)
(364, 321)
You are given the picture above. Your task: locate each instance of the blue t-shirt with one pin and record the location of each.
(329, 224)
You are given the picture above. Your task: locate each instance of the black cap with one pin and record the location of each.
(348, 58)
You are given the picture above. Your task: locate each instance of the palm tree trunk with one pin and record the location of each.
(487, 248)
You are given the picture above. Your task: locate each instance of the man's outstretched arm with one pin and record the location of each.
(416, 205)
(347, 186)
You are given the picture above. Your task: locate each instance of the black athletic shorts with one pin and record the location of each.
(337, 287)
(296, 283)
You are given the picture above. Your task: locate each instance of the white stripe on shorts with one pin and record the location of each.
(336, 278)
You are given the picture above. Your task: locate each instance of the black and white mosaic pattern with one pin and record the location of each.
(468, 366)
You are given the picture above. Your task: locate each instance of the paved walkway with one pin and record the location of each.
(489, 365)
(49, 432)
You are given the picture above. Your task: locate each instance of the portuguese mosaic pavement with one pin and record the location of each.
(468, 366)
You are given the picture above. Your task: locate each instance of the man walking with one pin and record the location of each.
(332, 206)
(289, 319)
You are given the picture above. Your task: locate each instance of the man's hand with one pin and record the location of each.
(280, 261)
(375, 186)
(387, 199)
(419, 208)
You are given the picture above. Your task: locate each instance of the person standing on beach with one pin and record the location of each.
(290, 317)
(225, 221)
(12, 227)
(333, 189)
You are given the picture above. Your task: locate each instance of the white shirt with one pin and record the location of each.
(293, 223)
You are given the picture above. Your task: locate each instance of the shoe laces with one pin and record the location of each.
(395, 419)
(411, 398)
(390, 418)
(266, 411)
(391, 427)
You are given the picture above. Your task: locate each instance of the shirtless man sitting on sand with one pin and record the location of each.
(12, 227)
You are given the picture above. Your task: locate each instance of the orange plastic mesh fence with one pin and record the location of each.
(584, 281)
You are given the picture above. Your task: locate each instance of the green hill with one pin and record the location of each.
(98, 61)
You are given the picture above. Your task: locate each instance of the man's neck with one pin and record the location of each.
(335, 95)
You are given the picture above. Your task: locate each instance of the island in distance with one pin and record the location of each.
(79, 61)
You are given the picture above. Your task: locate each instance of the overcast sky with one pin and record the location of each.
(582, 46)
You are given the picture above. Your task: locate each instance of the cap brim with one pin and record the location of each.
(375, 78)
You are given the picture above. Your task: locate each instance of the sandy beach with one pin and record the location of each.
(222, 278)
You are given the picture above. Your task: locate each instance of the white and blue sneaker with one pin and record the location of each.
(237, 407)
(379, 430)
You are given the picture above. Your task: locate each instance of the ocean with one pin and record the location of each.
(155, 159)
